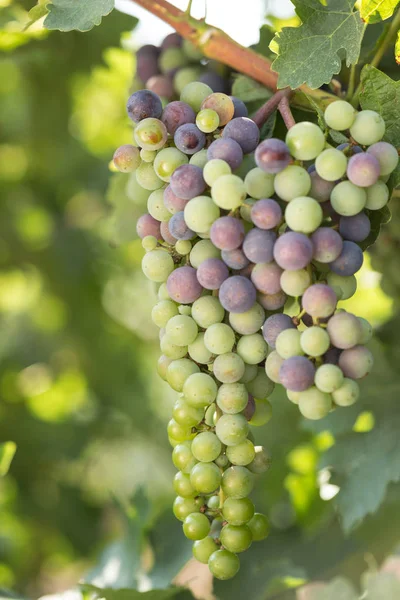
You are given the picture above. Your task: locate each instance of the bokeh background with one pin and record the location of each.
(78, 390)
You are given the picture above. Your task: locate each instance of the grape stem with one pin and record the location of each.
(286, 113)
(270, 106)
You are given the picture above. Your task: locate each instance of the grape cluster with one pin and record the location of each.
(235, 230)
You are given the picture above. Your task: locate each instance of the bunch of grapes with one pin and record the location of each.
(235, 231)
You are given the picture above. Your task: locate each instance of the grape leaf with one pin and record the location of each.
(310, 53)
(128, 594)
(397, 48)
(7, 451)
(266, 37)
(36, 13)
(248, 90)
(67, 15)
(371, 10)
(377, 218)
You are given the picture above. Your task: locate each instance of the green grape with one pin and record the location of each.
(206, 447)
(149, 242)
(314, 341)
(347, 199)
(295, 283)
(245, 209)
(366, 331)
(193, 53)
(156, 206)
(185, 310)
(237, 482)
(157, 265)
(223, 564)
(183, 507)
(171, 59)
(305, 140)
(328, 378)
(199, 159)
(207, 310)
(236, 538)
(183, 247)
(368, 128)
(184, 76)
(196, 526)
(182, 485)
(162, 366)
(232, 398)
(222, 461)
(219, 338)
(262, 414)
(303, 214)
(252, 348)
(209, 417)
(183, 458)
(202, 549)
(150, 134)
(178, 371)
(292, 182)
(186, 415)
(207, 120)
(344, 287)
(242, 454)
(331, 164)
(205, 477)
(250, 373)
(387, 156)
(229, 367)
(340, 115)
(259, 184)
(135, 192)
(200, 213)
(347, 394)
(314, 404)
(163, 311)
(222, 104)
(293, 396)
(228, 192)
(288, 343)
(238, 511)
(272, 366)
(194, 94)
(147, 177)
(248, 322)
(214, 169)
(181, 330)
(377, 196)
(179, 432)
(261, 385)
(213, 502)
(259, 527)
(261, 462)
(202, 250)
(232, 429)
(172, 350)
(148, 155)
(198, 351)
(166, 161)
(199, 390)
(162, 293)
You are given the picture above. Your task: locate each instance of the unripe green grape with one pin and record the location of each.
(178, 371)
(245, 209)
(199, 159)
(199, 390)
(377, 196)
(182, 485)
(328, 378)
(228, 192)
(126, 158)
(156, 206)
(368, 128)
(295, 283)
(261, 385)
(172, 350)
(163, 311)
(200, 213)
(147, 178)
(241, 454)
(202, 549)
(219, 338)
(250, 373)
(171, 58)
(314, 341)
(162, 293)
(194, 94)
(288, 343)
(347, 394)
(248, 322)
(185, 310)
(344, 287)
(238, 511)
(206, 447)
(259, 527)
(259, 184)
(331, 164)
(305, 140)
(292, 182)
(167, 160)
(183, 507)
(222, 461)
(207, 310)
(252, 348)
(232, 429)
(179, 432)
(232, 398)
(183, 247)
(184, 76)
(198, 351)
(157, 265)
(293, 396)
(213, 502)
(347, 199)
(196, 526)
(150, 134)
(236, 538)
(205, 477)
(183, 458)
(186, 415)
(262, 414)
(366, 330)
(173, 442)
(314, 404)
(210, 413)
(340, 115)
(193, 53)
(303, 214)
(229, 367)
(223, 564)
(181, 330)
(162, 366)
(202, 250)
(261, 462)
(214, 169)
(272, 366)
(207, 120)
(149, 242)
(148, 155)
(237, 482)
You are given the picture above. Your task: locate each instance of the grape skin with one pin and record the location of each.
(327, 243)
(344, 330)
(237, 294)
(258, 245)
(212, 273)
(274, 325)
(319, 300)
(292, 182)
(144, 104)
(187, 182)
(148, 225)
(293, 251)
(228, 150)
(266, 277)
(189, 139)
(244, 131)
(272, 155)
(356, 228)
(363, 169)
(227, 233)
(387, 156)
(349, 261)
(356, 362)
(296, 373)
(266, 214)
(368, 128)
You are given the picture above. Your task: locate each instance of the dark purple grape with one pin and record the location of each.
(147, 62)
(349, 261)
(147, 225)
(178, 227)
(266, 214)
(266, 278)
(227, 233)
(172, 202)
(258, 245)
(175, 114)
(183, 285)
(161, 85)
(148, 50)
(250, 409)
(189, 139)
(293, 251)
(235, 259)
(363, 169)
(187, 182)
(327, 244)
(297, 374)
(320, 188)
(354, 149)
(227, 150)
(166, 233)
(214, 81)
(356, 228)
(144, 104)
(272, 156)
(319, 300)
(244, 131)
(237, 294)
(211, 273)
(172, 40)
(240, 108)
(331, 357)
(272, 301)
(274, 325)
(356, 362)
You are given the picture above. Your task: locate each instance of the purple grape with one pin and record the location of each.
(187, 182)
(235, 259)
(172, 40)
(258, 245)
(144, 104)
(356, 228)
(211, 273)
(161, 85)
(297, 374)
(272, 156)
(332, 356)
(166, 233)
(356, 362)
(246, 271)
(266, 214)
(244, 131)
(354, 149)
(178, 228)
(227, 233)
(147, 62)
(329, 211)
(327, 244)
(227, 150)
(293, 251)
(272, 301)
(250, 409)
(274, 325)
(189, 139)
(266, 278)
(319, 300)
(214, 81)
(320, 188)
(387, 156)
(237, 294)
(147, 225)
(183, 285)
(363, 169)
(349, 261)
(148, 50)
(240, 108)
(176, 114)
(172, 202)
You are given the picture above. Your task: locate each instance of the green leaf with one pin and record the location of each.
(377, 218)
(266, 37)
(310, 53)
(36, 13)
(373, 10)
(248, 90)
(67, 15)
(128, 594)
(338, 589)
(338, 137)
(7, 451)
(397, 48)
